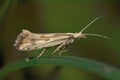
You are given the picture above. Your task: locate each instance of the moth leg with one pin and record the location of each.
(58, 48)
(63, 49)
(43, 51)
(63, 46)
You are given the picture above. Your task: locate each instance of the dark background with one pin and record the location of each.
(54, 16)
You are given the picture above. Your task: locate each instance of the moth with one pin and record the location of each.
(27, 40)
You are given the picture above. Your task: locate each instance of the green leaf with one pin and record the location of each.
(96, 67)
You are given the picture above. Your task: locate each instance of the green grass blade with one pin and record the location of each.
(96, 67)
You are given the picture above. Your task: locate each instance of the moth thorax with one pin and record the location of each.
(79, 35)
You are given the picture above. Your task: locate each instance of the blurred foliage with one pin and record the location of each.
(43, 16)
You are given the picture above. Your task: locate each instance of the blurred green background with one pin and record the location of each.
(60, 16)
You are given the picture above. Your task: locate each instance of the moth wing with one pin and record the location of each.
(30, 41)
(41, 45)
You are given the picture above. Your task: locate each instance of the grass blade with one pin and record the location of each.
(96, 67)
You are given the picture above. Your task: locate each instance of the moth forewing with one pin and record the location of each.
(30, 41)
(38, 45)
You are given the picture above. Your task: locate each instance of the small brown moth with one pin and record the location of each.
(27, 40)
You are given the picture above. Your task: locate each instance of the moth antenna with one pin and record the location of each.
(98, 35)
(91, 23)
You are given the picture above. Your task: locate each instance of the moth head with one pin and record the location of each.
(79, 35)
(22, 38)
